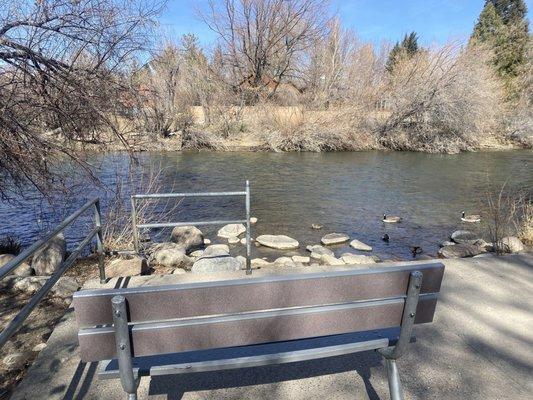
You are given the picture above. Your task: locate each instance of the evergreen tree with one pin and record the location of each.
(503, 26)
(406, 49)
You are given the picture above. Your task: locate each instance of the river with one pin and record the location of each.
(344, 192)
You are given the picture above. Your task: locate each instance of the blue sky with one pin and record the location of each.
(436, 21)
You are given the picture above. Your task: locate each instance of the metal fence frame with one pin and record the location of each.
(19, 319)
(245, 193)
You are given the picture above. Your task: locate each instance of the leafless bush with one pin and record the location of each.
(442, 101)
(117, 220)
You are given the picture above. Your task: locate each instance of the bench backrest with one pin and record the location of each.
(194, 316)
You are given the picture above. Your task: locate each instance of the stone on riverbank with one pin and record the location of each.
(170, 255)
(358, 245)
(350, 258)
(464, 237)
(216, 264)
(22, 270)
(253, 220)
(189, 237)
(280, 242)
(130, 267)
(511, 244)
(285, 262)
(334, 238)
(301, 259)
(16, 361)
(47, 260)
(234, 240)
(460, 251)
(259, 263)
(63, 289)
(331, 260)
(216, 250)
(231, 230)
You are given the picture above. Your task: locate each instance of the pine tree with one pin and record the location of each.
(489, 28)
(406, 49)
(503, 26)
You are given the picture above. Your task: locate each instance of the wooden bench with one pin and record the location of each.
(249, 322)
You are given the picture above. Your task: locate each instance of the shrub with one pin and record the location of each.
(10, 245)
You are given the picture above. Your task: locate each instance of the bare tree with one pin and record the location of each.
(260, 40)
(61, 63)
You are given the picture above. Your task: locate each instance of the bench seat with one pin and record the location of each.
(255, 355)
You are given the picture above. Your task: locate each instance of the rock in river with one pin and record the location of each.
(319, 250)
(334, 238)
(460, 251)
(48, 259)
(357, 245)
(216, 264)
(216, 250)
(464, 237)
(189, 237)
(231, 230)
(331, 260)
(280, 242)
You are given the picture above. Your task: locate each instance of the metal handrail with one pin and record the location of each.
(245, 193)
(19, 319)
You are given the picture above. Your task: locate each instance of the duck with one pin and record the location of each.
(391, 219)
(385, 238)
(416, 250)
(470, 218)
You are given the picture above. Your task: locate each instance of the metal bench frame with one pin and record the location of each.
(130, 378)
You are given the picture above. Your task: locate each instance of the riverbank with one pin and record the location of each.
(479, 321)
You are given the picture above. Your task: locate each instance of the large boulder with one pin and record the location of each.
(47, 260)
(189, 237)
(231, 231)
(63, 289)
(460, 251)
(350, 258)
(280, 242)
(334, 238)
(216, 264)
(357, 245)
(131, 267)
(464, 237)
(16, 361)
(170, 255)
(22, 270)
(511, 244)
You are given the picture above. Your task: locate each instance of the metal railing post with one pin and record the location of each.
(248, 233)
(134, 225)
(99, 240)
(123, 346)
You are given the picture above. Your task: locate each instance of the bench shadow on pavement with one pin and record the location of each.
(175, 386)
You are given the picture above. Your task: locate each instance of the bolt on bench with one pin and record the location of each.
(210, 326)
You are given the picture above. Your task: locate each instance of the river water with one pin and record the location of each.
(344, 192)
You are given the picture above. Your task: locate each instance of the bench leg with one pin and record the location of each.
(123, 345)
(395, 385)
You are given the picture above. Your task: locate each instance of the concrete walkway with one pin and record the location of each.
(479, 347)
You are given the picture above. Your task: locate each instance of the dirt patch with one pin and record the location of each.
(33, 335)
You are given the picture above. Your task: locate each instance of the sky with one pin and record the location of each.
(436, 21)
